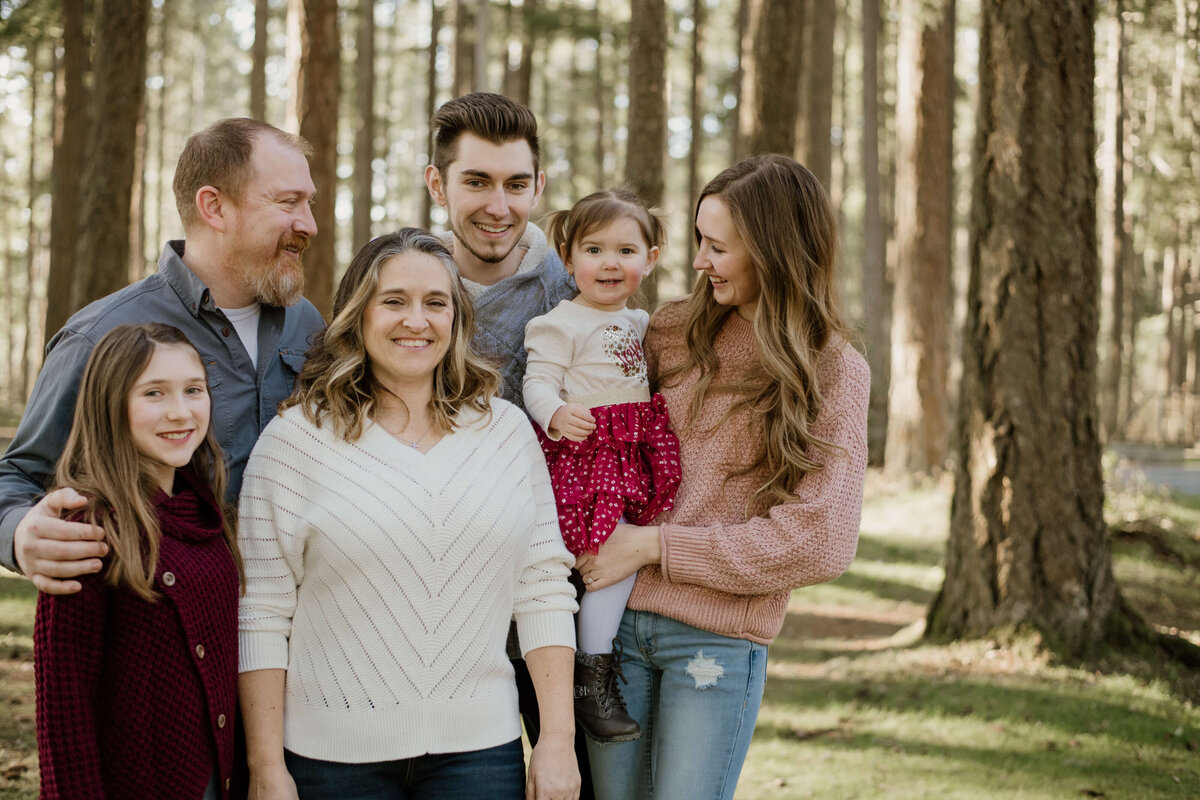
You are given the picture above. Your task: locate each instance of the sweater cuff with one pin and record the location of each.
(686, 553)
(262, 650)
(546, 629)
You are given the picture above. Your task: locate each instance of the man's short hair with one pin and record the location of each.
(492, 117)
(220, 156)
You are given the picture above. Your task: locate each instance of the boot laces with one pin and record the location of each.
(612, 694)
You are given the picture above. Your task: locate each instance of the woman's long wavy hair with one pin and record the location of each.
(337, 383)
(101, 461)
(784, 217)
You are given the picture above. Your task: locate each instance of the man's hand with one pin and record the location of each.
(50, 550)
(573, 421)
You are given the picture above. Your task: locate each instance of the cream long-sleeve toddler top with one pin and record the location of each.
(579, 354)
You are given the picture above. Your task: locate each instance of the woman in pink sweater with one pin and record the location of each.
(770, 404)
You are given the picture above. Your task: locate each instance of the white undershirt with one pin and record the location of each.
(245, 322)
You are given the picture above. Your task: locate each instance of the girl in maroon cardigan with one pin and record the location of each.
(137, 673)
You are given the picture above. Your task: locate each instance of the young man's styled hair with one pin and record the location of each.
(219, 156)
(101, 461)
(492, 117)
(337, 383)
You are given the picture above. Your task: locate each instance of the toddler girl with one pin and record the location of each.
(137, 673)
(607, 442)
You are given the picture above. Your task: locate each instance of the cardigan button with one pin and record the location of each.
(169, 578)
(199, 651)
(220, 720)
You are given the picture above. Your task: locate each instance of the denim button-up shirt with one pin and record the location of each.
(244, 399)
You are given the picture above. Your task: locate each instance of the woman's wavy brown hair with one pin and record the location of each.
(101, 461)
(337, 383)
(784, 217)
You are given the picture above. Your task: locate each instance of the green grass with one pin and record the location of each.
(857, 705)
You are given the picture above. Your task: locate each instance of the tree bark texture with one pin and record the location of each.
(815, 118)
(876, 285)
(70, 145)
(258, 61)
(364, 138)
(647, 143)
(696, 112)
(435, 26)
(108, 183)
(320, 67)
(1028, 545)
(770, 93)
(919, 404)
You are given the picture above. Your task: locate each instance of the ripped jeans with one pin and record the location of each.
(696, 695)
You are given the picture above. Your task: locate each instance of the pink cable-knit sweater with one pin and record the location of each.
(720, 570)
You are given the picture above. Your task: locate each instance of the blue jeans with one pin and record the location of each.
(497, 772)
(696, 695)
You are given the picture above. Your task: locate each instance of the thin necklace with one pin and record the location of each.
(415, 445)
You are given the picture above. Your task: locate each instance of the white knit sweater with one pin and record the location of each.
(383, 579)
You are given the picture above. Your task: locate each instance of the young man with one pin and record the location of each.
(234, 288)
(486, 174)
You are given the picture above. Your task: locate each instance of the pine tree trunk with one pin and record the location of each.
(647, 143)
(696, 111)
(320, 68)
(919, 408)
(745, 44)
(108, 183)
(70, 143)
(364, 142)
(32, 307)
(1028, 546)
(435, 27)
(464, 48)
(258, 63)
(1114, 242)
(814, 148)
(771, 77)
(876, 292)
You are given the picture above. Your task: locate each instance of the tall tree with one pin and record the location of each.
(695, 110)
(464, 48)
(1115, 243)
(258, 61)
(435, 26)
(646, 146)
(519, 80)
(70, 145)
(876, 291)
(770, 89)
(320, 68)
(815, 118)
(919, 407)
(108, 183)
(1022, 554)
(364, 140)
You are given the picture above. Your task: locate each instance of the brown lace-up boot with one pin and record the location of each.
(599, 708)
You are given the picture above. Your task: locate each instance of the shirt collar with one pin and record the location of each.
(191, 289)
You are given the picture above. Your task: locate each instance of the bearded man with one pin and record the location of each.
(233, 286)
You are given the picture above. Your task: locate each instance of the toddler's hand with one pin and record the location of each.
(573, 421)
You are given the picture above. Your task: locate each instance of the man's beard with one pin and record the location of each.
(494, 257)
(277, 284)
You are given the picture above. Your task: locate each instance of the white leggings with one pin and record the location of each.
(600, 615)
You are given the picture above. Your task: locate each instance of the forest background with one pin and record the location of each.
(1016, 182)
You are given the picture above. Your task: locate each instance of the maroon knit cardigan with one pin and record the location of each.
(136, 699)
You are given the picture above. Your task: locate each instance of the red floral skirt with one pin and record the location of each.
(629, 466)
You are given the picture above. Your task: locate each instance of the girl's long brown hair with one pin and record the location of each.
(101, 461)
(784, 217)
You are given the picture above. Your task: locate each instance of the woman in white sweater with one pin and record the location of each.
(394, 517)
